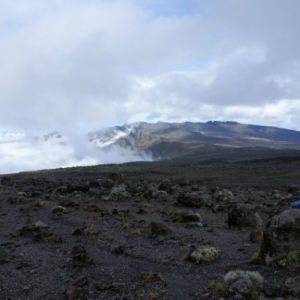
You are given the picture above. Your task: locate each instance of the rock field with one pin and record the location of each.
(152, 231)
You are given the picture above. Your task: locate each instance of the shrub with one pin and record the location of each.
(245, 283)
(219, 287)
(207, 254)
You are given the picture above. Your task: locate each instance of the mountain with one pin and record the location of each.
(211, 141)
(171, 140)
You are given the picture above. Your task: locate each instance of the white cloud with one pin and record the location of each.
(69, 60)
(21, 153)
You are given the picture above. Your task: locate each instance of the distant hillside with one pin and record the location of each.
(170, 140)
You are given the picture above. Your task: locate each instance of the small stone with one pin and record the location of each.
(82, 281)
(3, 257)
(72, 204)
(52, 237)
(102, 286)
(194, 199)
(40, 224)
(118, 250)
(106, 183)
(141, 211)
(185, 217)
(77, 231)
(75, 293)
(118, 285)
(93, 208)
(239, 297)
(293, 189)
(206, 296)
(80, 257)
(148, 276)
(165, 185)
(29, 229)
(256, 236)
(94, 191)
(58, 209)
(61, 190)
(194, 225)
(159, 229)
(22, 194)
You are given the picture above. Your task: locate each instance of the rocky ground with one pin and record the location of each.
(163, 230)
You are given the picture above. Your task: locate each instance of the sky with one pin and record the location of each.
(78, 66)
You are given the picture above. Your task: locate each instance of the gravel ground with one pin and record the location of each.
(65, 235)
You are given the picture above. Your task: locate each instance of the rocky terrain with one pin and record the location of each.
(177, 229)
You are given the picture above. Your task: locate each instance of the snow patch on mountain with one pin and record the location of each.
(107, 137)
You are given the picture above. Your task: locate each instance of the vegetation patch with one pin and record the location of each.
(204, 255)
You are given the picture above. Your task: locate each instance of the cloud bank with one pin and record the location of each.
(21, 153)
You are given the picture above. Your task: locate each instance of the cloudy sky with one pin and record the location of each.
(76, 66)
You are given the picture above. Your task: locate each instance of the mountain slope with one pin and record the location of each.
(169, 140)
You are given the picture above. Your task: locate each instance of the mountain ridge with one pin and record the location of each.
(171, 140)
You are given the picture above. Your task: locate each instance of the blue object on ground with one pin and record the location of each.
(295, 204)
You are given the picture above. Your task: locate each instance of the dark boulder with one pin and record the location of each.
(281, 239)
(185, 217)
(193, 199)
(159, 229)
(165, 185)
(242, 216)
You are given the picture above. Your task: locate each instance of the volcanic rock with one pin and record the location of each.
(182, 217)
(193, 199)
(80, 256)
(58, 209)
(75, 293)
(165, 185)
(243, 216)
(159, 229)
(281, 240)
(256, 236)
